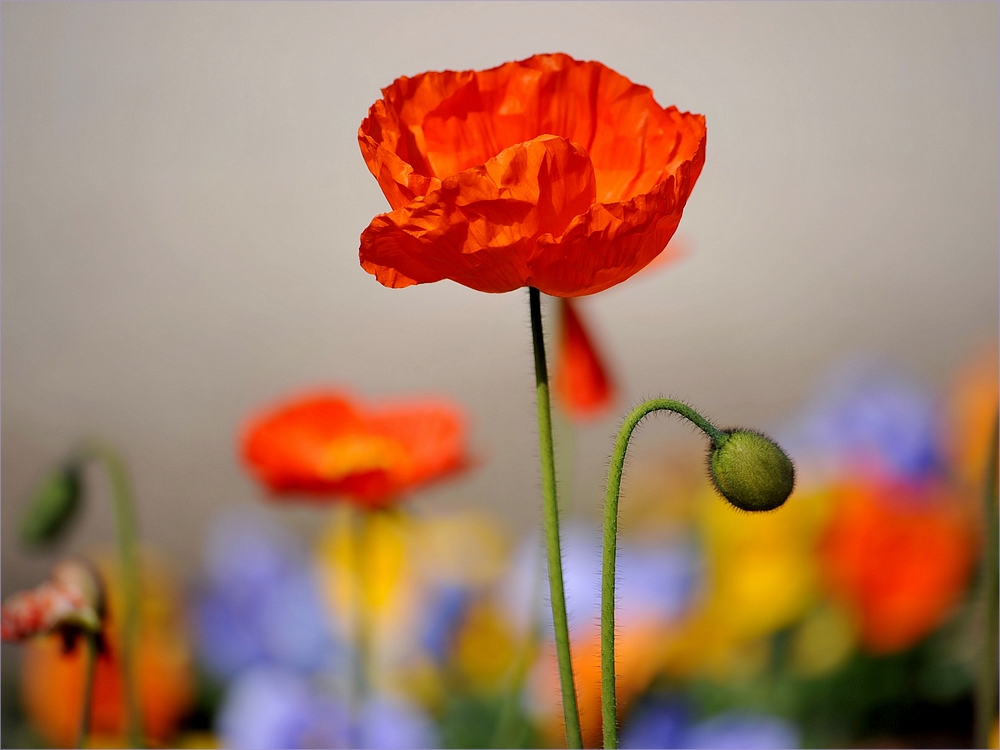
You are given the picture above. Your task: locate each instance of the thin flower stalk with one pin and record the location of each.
(560, 622)
(361, 678)
(128, 564)
(747, 468)
(986, 679)
(91, 645)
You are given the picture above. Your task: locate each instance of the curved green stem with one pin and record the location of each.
(609, 700)
(128, 564)
(986, 683)
(90, 647)
(571, 715)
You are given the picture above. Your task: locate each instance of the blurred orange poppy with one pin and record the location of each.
(327, 445)
(972, 414)
(548, 172)
(582, 383)
(637, 660)
(900, 558)
(52, 679)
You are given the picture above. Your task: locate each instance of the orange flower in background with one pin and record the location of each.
(637, 660)
(900, 559)
(52, 680)
(329, 444)
(582, 383)
(548, 172)
(972, 414)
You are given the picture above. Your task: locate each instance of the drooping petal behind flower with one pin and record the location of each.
(330, 445)
(582, 383)
(547, 172)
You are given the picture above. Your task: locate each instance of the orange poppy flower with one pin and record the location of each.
(548, 172)
(898, 560)
(582, 383)
(328, 445)
(972, 414)
(637, 661)
(52, 679)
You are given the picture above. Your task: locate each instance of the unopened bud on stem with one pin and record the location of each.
(750, 470)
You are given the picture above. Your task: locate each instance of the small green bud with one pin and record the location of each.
(750, 470)
(53, 506)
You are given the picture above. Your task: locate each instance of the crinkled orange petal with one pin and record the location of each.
(582, 383)
(611, 242)
(328, 446)
(436, 126)
(900, 563)
(482, 225)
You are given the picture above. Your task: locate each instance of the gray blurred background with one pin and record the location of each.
(183, 195)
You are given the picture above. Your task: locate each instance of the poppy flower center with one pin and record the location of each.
(360, 454)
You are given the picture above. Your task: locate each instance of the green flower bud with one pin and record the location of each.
(53, 506)
(750, 470)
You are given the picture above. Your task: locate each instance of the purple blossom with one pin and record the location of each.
(666, 724)
(868, 418)
(653, 582)
(269, 707)
(261, 603)
(736, 730)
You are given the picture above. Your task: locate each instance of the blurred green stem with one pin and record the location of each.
(90, 656)
(986, 683)
(519, 670)
(609, 698)
(362, 636)
(128, 564)
(504, 735)
(571, 714)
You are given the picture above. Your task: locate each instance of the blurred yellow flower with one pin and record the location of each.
(824, 640)
(485, 649)
(463, 548)
(761, 576)
(398, 559)
(762, 570)
(365, 557)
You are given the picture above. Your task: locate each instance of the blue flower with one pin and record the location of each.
(737, 730)
(869, 417)
(442, 618)
(656, 725)
(269, 707)
(388, 724)
(666, 724)
(261, 604)
(653, 583)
